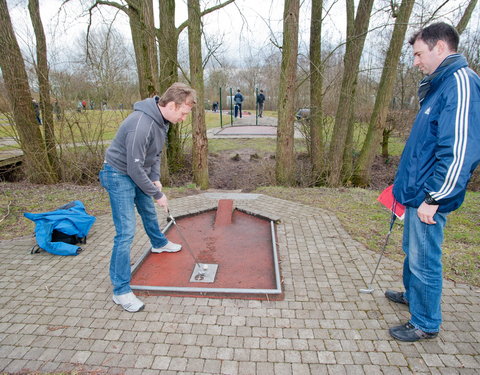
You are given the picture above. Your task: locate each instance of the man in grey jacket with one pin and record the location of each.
(131, 176)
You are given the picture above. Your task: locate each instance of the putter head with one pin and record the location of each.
(366, 290)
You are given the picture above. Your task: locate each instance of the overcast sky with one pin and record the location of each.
(245, 27)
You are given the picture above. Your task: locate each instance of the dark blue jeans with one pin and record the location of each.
(422, 269)
(124, 196)
(238, 110)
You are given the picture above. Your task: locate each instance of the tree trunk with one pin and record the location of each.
(376, 126)
(167, 36)
(316, 87)
(462, 24)
(385, 140)
(285, 157)
(44, 85)
(37, 165)
(353, 52)
(199, 129)
(140, 15)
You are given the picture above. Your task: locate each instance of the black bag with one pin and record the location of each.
(72, 239)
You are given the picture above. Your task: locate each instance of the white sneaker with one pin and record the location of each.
(129, 302)
(170, 247)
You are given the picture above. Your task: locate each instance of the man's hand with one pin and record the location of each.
(426, 212)
(158, 184)
(163, 201)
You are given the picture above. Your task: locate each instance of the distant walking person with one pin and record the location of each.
(36, 108)
(440, 155)
(131, 176)
(260, 101)
(238, 99)
(215, 106)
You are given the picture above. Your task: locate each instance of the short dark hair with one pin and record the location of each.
(179, 93)
(435, 32)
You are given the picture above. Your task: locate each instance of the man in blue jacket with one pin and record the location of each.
(131, 176)
(238, 99)
(440, 155)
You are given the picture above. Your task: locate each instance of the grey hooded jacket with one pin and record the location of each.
(138, 144)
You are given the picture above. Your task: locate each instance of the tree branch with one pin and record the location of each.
(204, 13)
(436, 11)
(90, 13)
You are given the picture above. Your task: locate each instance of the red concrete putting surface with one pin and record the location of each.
(239, 243)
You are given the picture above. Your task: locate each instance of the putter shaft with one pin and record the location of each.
(370, 288)
(201, 271)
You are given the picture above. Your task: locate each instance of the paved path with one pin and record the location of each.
(56, 313)
(247, 127)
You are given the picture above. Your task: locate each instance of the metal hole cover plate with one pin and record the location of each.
(208, 275)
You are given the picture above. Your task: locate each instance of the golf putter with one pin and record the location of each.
(202, 269)
(370, 289)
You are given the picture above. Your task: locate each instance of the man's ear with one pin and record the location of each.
(442, 47)
(171, 106)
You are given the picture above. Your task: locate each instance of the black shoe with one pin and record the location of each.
(397, 297)
(409, 333)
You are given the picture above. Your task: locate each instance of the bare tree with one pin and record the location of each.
(41, 68)
(199, 129)
(285, 157)
(107, 66)
(37, 164)
(316, 87)
(141, 20)
(361, 176)
(467, 14)
(168, 35)
(140, 13)
(357, 28)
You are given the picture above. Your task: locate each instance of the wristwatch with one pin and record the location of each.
(430, 201)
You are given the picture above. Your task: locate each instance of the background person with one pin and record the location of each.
(441, 153)
(36, 108)
(238, 99)
(260, 101)
(131, 176)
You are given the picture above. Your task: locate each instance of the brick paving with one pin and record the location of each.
(56, 313)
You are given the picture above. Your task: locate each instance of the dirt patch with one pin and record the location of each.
(245, 170)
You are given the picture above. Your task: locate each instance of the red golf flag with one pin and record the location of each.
(388, 200)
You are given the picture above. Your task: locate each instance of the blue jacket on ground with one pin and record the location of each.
(443, 148)
(70, 219)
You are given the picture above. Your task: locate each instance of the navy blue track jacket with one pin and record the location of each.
(443, 148)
